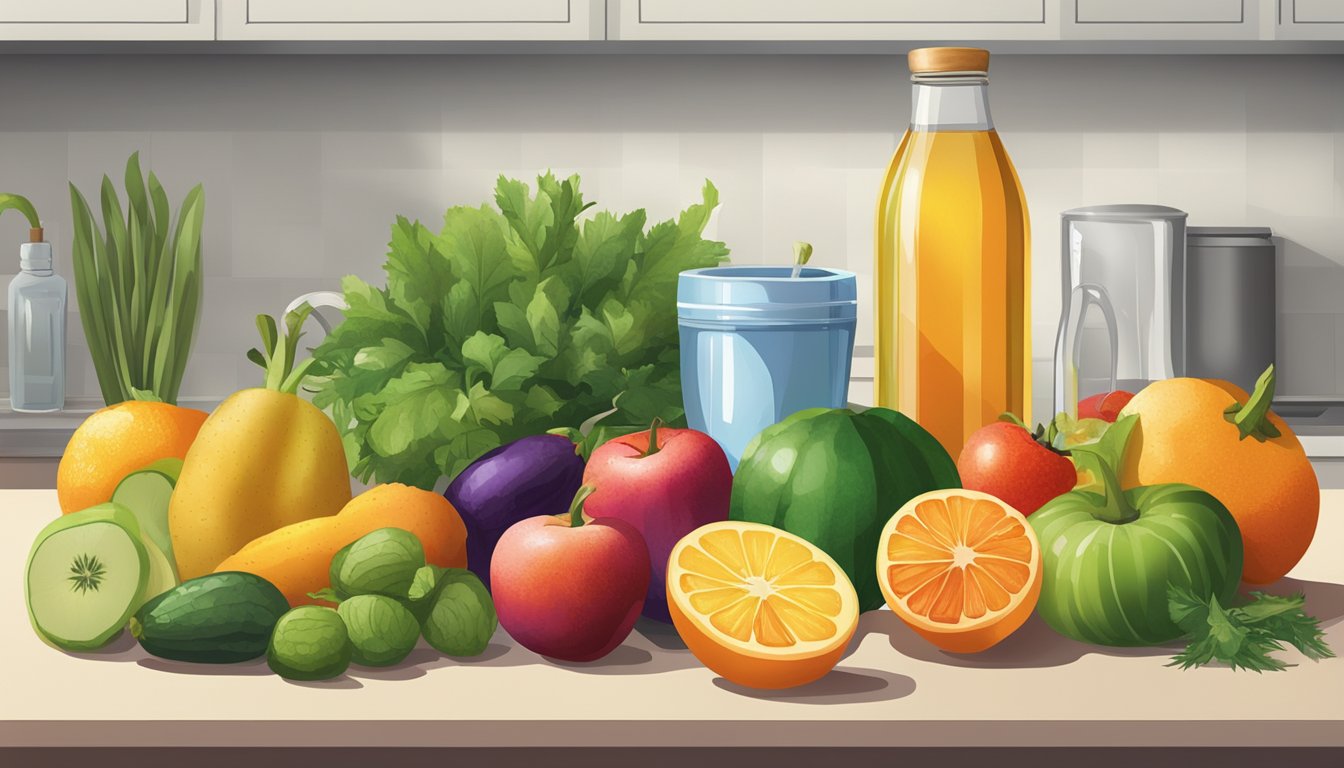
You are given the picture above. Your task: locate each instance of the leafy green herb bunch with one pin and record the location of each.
(513, 319)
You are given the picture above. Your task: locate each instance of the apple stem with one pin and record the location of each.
(1252, 419)
(576, 506)
(653, 438)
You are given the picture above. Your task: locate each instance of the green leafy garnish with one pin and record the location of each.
(1243, 637)
(512, 320)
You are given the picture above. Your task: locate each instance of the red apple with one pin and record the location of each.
(1105, 406)
(1007, 461)
(569, 587)
(664, 482)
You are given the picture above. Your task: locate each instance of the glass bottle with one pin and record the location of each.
(953, 343)
(37, 297)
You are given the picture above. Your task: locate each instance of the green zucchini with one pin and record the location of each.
(219, 618)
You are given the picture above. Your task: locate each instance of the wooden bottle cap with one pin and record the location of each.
(35, 235)
(930, 60)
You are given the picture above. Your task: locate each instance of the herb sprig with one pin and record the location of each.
(1244, 636)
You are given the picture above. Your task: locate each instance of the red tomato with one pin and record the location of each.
(1007, 461)
(1104, 406)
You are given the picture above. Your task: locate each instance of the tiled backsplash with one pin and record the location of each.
(306, 160)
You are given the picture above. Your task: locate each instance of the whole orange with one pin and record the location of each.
(1269, 486)
(117, 440)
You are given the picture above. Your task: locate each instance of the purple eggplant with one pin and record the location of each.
(536, 475)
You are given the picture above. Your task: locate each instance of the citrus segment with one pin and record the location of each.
(759, 606)
(962, 568)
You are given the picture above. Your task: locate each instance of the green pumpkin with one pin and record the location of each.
(1109, 558)
(834, 477)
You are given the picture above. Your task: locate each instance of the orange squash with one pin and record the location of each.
(296, 558)
(1212, 435)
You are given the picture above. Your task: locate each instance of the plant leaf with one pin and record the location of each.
(508, 322)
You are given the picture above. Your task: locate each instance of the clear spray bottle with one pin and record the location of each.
(37, 298)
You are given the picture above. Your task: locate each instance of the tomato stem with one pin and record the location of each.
(1104, 460)
(1252, 419)
(653, 438)
(1115, 507)
(576, 506)
(1043, 436)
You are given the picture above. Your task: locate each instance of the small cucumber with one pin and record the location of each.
(219, 618)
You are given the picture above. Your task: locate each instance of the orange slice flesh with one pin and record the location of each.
(962, 568)
(759, 606)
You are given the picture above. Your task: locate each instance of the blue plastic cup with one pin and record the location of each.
(759, 344)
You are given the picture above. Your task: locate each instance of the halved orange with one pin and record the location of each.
(760, 606)
(962, 568)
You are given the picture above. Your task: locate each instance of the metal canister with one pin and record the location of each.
(1230, 305)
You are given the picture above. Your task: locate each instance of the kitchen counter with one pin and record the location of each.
(893, 689)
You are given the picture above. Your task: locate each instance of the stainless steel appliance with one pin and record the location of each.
(1230, 306)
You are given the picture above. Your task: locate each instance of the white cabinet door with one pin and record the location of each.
(833, 20)
(107, 19)
(1141, 20)
(412, 20)
(1311, 19)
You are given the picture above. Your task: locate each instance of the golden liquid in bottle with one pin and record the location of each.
(953, 311)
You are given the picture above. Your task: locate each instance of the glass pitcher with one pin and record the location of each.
(1127, 261)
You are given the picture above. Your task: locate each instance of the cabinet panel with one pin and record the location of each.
(111, 20)
(93, 12)
(1160, 12)
(840, 12)
(1318, 11)
(492, 20)
(406, 11)
(1146, 20)
(766, 20)
(1311, 20)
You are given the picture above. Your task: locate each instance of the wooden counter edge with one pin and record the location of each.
(686, 733)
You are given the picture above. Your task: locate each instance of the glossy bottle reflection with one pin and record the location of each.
(953, 306)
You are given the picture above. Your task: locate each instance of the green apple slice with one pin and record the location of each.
(146, 493)
(86, 575)
(162, 572)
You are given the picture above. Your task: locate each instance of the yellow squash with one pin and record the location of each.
(265, 458)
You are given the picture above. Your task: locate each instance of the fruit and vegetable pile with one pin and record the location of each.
(227, 537)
